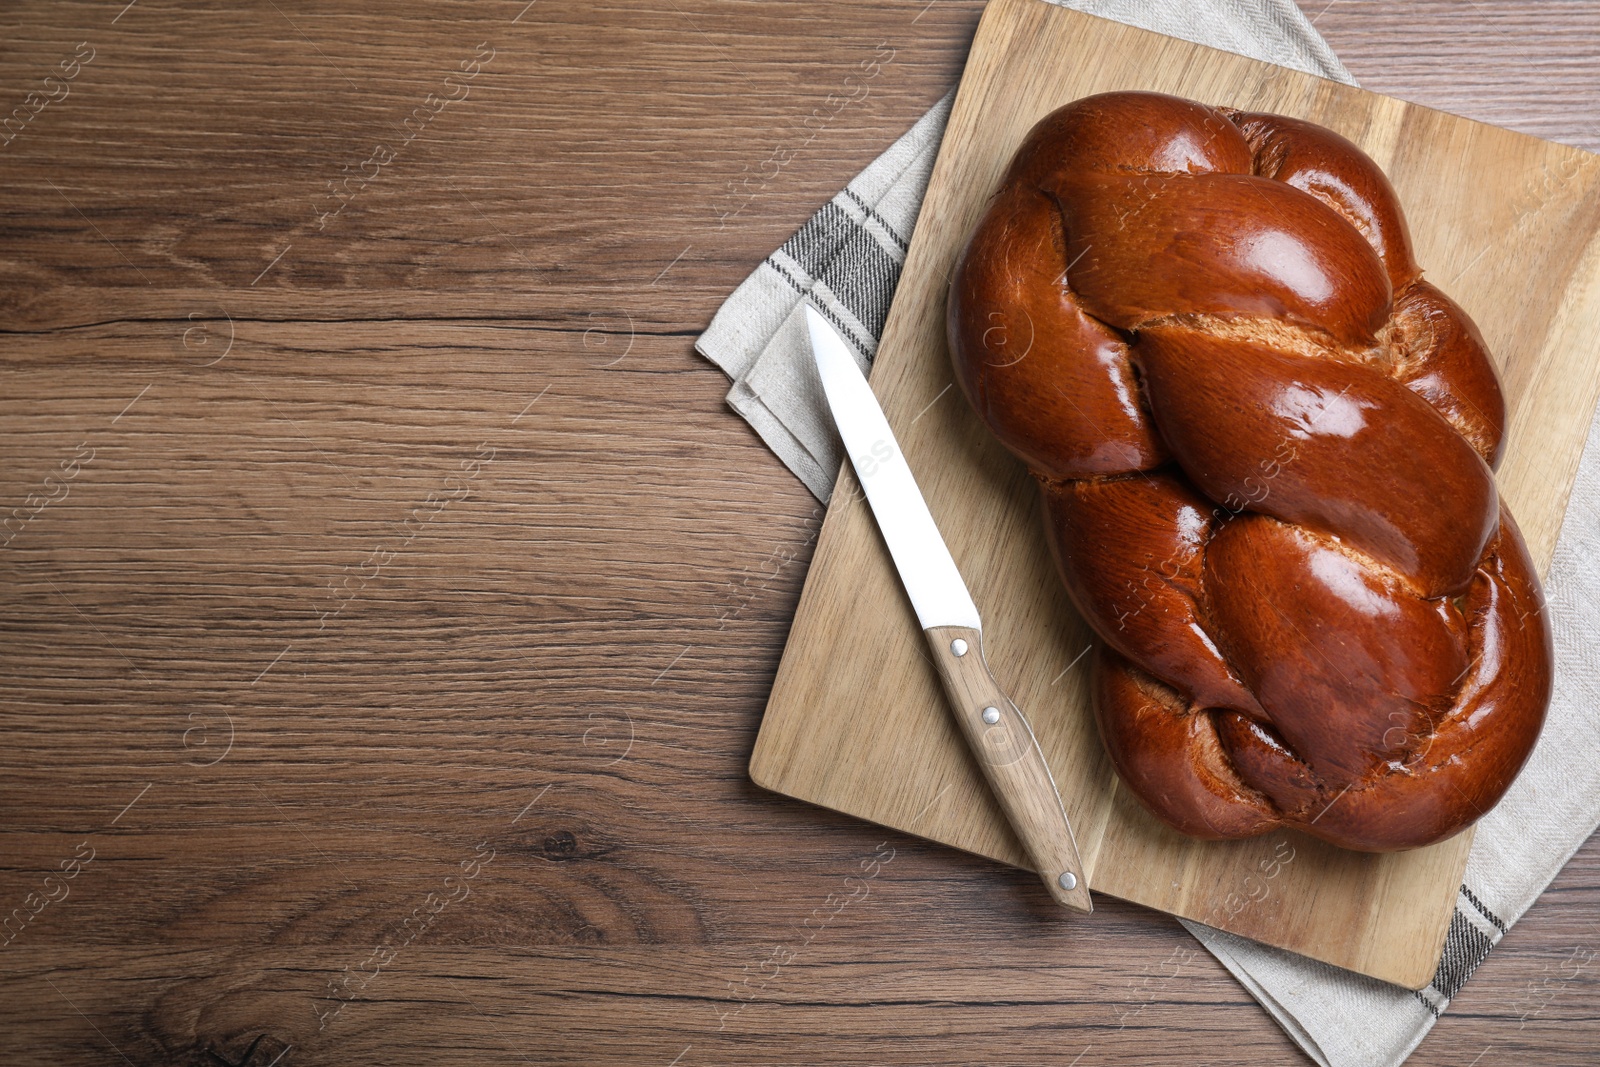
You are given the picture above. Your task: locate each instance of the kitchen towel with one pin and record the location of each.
(846, 259)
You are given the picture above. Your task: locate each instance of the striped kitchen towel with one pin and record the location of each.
(846, 259)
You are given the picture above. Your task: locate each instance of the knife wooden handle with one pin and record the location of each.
(1006, 749)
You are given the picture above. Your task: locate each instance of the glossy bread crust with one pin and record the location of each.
(1265, 446)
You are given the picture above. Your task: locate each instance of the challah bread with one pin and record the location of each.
(1265, 447)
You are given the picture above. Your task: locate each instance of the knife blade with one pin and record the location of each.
(995, 728)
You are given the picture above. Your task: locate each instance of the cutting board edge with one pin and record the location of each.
(1414, 975)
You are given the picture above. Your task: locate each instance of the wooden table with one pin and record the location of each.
(389, 599)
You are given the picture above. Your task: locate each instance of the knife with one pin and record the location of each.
(995, 728)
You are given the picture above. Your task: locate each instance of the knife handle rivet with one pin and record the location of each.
(959, 647)
(1068, 880)
(991, 715)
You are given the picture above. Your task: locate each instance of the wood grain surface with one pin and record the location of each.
(280, 695)
(854, 678)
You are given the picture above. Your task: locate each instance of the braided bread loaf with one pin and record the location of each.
(1265, 448)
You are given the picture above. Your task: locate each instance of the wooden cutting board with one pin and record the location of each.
(1504, 223)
